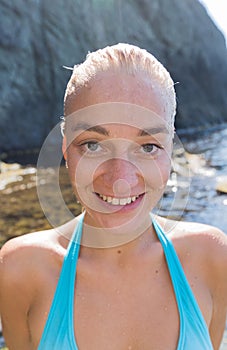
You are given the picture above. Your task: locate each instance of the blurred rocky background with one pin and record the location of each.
(38, 37)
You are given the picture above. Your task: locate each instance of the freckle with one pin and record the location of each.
(119, 251)
(156, 271)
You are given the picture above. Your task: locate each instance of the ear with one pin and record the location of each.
(64, 147)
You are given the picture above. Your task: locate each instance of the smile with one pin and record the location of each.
(118, 201)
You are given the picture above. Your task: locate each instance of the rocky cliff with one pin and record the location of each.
(38, 37)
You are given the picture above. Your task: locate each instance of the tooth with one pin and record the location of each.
(115, 201)
(109, 199)
(123, 201)
(118, 201)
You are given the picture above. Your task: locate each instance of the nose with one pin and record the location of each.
(120, 176)
(121, 187)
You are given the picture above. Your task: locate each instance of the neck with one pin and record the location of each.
(118, 244)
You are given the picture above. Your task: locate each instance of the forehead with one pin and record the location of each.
(120, 86)
(117, 118)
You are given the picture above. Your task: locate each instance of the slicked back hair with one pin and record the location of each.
(132, 60)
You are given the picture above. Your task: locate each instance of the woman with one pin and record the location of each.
(121, 282)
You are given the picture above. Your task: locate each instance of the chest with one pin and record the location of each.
(134, 311)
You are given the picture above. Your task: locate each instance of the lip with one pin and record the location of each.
(125, 207)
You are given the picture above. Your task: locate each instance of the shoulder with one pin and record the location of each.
(201, 247)
(21, 260)
(204, 240)
(201, 238)
(32, 255)
(21, 256)
(198, 243)
(25, 246)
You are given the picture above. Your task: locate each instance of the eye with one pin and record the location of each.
(149, 148)
(92, 146)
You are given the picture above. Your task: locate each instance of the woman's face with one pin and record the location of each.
(118, 147)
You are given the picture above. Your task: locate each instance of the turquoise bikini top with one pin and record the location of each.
(59, 329)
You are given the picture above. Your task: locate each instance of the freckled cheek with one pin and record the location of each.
(156, 173)
(82, 172)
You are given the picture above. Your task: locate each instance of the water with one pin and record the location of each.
(192, 192)
(210, 206)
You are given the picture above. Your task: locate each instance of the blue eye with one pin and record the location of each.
(149, 148)
(92, 146)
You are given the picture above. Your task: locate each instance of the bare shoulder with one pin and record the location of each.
(206, 240)
(25, 246)
(202, 248)
(21, 256)
(199, 246)
(201, 238)
(32, 254)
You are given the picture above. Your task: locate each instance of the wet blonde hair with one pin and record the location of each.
(132, 60)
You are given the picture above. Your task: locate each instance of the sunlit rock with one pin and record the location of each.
(221, 184)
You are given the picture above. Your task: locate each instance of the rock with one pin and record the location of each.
(5, 167)
(39, 37)
(221, 184)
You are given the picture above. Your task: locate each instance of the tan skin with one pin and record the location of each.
(123, 295)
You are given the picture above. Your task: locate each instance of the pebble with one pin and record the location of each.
(221, 184)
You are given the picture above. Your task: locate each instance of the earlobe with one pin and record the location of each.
(64, 148)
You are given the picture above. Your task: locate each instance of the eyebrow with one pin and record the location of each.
(103, 131)
(153, 131)
(86, 127)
